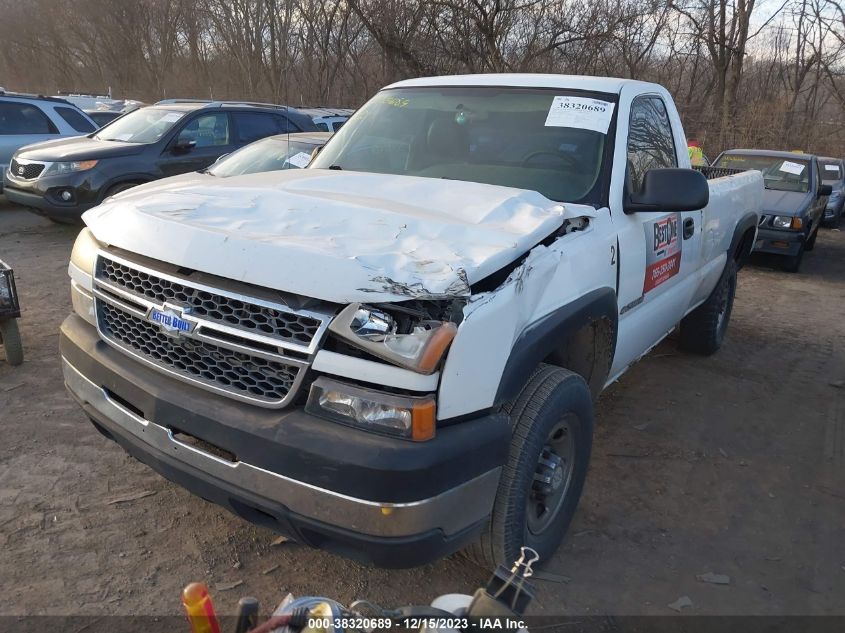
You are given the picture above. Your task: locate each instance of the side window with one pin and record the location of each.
(24, 118)
(650, 142)
(254, 125)
(76, 120)
(285, 125)
(208, 130)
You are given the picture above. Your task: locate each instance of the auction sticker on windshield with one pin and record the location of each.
(792, 168)
(663, 251)
(581, 113)
(300, 159)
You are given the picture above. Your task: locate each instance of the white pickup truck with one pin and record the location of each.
(393, 354)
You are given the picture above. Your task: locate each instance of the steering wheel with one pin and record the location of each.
(567, 159)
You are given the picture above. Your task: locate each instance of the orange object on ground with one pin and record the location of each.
(199, 609)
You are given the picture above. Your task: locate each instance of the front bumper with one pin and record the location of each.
(380, 500)
(778, 242)
(833, 211)
(43, 194)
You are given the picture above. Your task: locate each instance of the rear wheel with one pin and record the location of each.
(703, 330)
(547, 464)
(10, 336)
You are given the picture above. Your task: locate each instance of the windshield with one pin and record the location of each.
(779, 174)
(269, 154)
(831, 170)
(549, 141)
(146, 125)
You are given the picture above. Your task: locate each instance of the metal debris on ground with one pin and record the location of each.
(681, 603)
(227, 586)
(131, 497)
(714, 579)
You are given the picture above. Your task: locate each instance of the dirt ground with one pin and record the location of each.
(733, 464)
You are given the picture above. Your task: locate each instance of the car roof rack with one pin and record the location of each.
(208, 103)
(29, 96)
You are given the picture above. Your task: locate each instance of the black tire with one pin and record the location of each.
(10, 336)
(703, 330)
(792, 263)
(554, 407)
(116, 189)
(811, 243)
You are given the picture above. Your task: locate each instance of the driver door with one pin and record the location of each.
(658, 252)
(213, 137)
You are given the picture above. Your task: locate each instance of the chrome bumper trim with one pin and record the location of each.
(450, 511)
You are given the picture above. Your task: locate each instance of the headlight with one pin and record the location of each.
(84, 253)
(408, 417)
(787, 222)
(81, 271)
(70, 167)
(9, 303)
(375, 331)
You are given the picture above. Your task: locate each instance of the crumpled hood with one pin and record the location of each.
(790, 203)
(332, 235)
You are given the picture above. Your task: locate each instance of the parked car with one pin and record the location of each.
(392, 354)
(101, 117)
(833, 174)
(283, 151)
(274, 153)
(793, 203)
(27, 119)
(328, 119)
(68, 177)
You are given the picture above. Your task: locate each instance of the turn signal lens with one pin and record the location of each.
(797, 223)
(409, 417)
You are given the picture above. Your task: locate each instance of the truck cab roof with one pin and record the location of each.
(613, 85)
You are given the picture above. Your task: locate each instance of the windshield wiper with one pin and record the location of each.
(336, 167)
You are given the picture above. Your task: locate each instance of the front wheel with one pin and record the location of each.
(541, 483)
(10, 336)
(811, 243)
(792, 263)
(703, 330)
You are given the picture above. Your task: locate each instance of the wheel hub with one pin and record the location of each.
(551, 479)
(548, 477)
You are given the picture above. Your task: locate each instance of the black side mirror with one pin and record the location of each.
(669, 190)
(184, 144)
(825, 190)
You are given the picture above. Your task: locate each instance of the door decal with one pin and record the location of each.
(663, 251)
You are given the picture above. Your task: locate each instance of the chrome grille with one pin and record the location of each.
(26, 170)
(237, 313)
(240, 345)
(259, 378)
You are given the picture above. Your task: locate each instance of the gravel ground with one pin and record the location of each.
(733, 464)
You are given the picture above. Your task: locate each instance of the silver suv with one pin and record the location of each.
(27, 119)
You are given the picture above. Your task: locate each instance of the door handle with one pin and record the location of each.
(689, 228)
